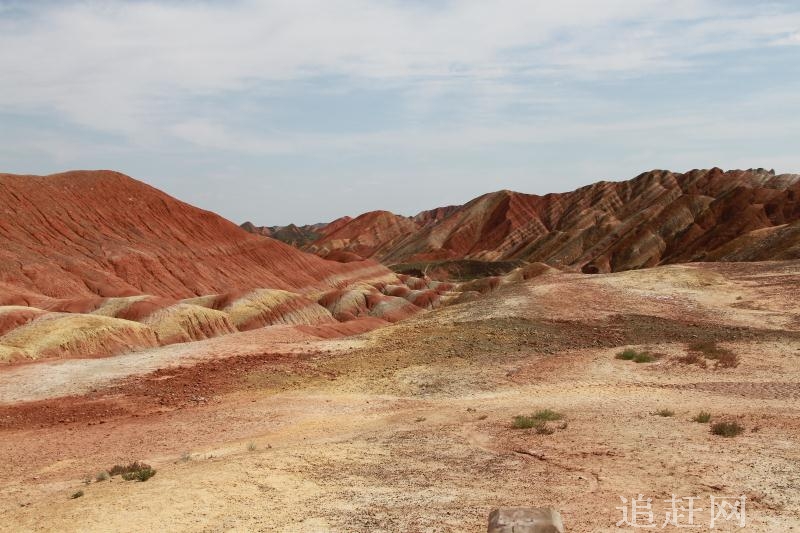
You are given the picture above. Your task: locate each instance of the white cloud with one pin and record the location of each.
(121, 66)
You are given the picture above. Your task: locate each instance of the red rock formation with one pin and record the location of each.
(436, 215)
(367, 235)
(100, 233)
(656, 218)
(95, 263)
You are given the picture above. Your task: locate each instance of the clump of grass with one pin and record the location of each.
(525, 422)
(76, 495)
(629, 354)
(140, 475)
(186, 457)
(538, 421)
(723, 357)
(726, 429)
(251, 447)
(547, 415)
(101, 476)
(702, 417)
(664, 412)
(135, 471)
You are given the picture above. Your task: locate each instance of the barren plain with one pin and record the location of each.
(409, 427)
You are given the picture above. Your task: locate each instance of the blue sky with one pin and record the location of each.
(306, 110)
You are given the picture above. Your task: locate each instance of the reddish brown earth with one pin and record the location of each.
(659, 217)
(368, 235)
(94, 263)
(100, 233)
(298, 236)
(409, 427)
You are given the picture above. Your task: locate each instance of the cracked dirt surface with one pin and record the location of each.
(408, 428)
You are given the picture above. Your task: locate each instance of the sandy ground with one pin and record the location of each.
(408, 428)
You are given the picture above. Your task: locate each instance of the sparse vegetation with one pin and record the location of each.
(726, 429)
(186, 457)
(548, 415)
(629, 354)
(76, 495)
(702, 417)
(723, 357)
(664, 412)
(537, 421)
(525, 422)
(135, 471)
(140, 475)
(251, 447)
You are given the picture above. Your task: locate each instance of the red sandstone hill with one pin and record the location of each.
(94, 264)
(368, 235)
(101, 233)
(656, 218)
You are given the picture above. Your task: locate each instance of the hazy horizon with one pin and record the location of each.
(302, 112)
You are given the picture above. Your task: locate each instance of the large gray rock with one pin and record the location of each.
(525, 520)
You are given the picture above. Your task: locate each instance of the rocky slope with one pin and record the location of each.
(94, 263)
(659, 217)
(86, 234)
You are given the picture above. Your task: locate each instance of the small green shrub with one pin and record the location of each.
(664, 412)
(526, 422)
(140, 475)
(630, 354)
(702, 417)
(548, 415)
(726, 429)
(76, 495)
(135, 471)
(627, 355)
(102, 476)
(537, 420)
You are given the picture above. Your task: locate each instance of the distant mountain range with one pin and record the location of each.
(658, 217)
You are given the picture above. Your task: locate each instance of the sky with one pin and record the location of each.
(306, 110)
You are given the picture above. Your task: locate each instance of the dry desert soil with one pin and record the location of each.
(409, 427)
